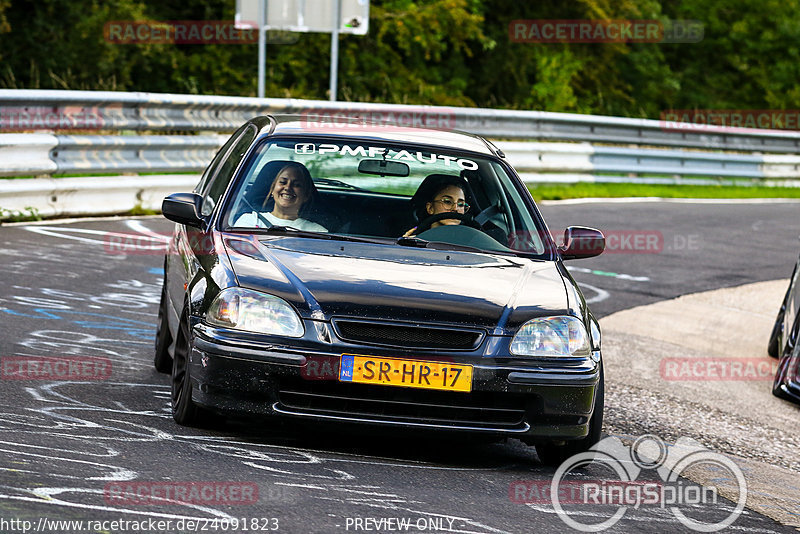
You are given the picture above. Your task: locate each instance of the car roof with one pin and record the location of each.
(365, 129)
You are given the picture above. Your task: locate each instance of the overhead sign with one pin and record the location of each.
(306, 15)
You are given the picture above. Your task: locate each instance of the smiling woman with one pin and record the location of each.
(290, 191)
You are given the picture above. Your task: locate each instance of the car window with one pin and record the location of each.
(228, 163)
(375, 190)
(210, 171)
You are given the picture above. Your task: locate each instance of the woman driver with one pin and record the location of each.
(445, 194)
(290, 190)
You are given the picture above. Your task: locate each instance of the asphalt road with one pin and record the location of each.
(68, 446)
(697, 246)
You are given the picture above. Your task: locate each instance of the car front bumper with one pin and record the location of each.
(529, 402)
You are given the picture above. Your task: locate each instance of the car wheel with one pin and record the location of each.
(184, 411)
(162, 359)
(553, 454)
(788, 358)
(772, 348)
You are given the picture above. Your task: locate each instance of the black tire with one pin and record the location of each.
(777, 329)
(787, 357)
(184, 411)
(162, 359)
(552, 454)
(772, 347)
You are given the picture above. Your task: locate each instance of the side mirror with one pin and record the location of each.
(582, 242)
(183, 208)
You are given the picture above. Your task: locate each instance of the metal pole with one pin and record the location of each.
(337, 10)
(262, 46)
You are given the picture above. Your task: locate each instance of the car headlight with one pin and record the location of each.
(551, 337)
(243, 309)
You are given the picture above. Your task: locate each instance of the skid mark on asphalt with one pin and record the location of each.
(66, 440)
(80, 437)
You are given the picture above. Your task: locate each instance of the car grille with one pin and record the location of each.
(480, 409)
(397, 335)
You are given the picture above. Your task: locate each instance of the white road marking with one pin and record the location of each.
(602, 294)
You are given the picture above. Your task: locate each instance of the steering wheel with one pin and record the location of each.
(427, 222)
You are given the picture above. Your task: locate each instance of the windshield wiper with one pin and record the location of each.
(276, 229)
(337, 183)
(322, 235)
(444, 245)
(411, 241)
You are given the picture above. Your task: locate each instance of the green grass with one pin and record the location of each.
(28, 214)
(139, 210)
(588, 190)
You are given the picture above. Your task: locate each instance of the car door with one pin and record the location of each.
(193, 248)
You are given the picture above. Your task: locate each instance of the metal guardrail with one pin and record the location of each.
(171, 112)
(25, 154)
(144, 133)
(586, 162)
(142, 153)
(49, 197)
(45, 154)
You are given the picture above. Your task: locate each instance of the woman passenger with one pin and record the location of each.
(291, 190)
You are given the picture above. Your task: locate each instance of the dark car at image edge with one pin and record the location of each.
(783, 342)
(472, 325)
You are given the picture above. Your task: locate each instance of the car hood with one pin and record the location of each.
(331, 278)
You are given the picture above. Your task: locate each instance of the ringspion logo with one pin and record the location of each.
(698, 507)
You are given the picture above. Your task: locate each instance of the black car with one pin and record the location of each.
(366, 274)
(783, 342)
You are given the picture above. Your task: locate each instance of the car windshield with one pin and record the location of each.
(369, 190)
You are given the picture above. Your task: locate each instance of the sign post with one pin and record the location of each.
(337, 14)
(322, 16)
(262, 47)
